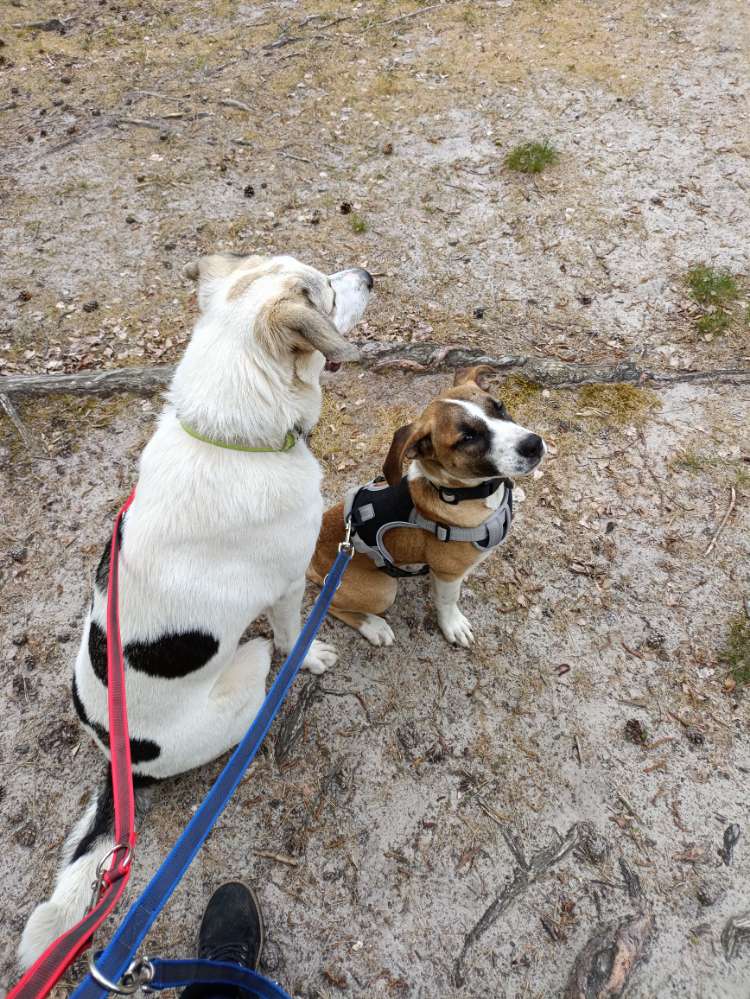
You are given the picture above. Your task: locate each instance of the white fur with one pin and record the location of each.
(376, 630)
(506, 436)
(213, 539)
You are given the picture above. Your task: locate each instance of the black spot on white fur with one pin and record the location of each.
(172, 656)
(103, 822)
(141, 750)
(169, 656)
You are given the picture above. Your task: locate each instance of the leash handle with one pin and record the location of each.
(179, 974)
(116, 958)
(111, 881)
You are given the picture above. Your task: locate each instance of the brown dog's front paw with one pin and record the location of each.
(376, 630)
(456, 627)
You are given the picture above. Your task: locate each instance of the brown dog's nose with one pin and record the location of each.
(530, 446)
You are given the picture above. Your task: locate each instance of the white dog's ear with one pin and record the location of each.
(292, 318)
(213, 267)
(480, 374)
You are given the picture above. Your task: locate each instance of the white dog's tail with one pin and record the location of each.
(89, 842)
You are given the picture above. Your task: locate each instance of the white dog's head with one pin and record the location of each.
(268, 327)
(292, 305)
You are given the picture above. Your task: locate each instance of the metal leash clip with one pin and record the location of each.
(138, 976)
(346, 545)
(140, 973)
(101, 870)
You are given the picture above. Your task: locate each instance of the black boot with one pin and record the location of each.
(231, 931)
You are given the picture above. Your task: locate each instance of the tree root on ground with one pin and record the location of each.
(421, 358)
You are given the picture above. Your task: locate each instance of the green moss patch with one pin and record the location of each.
(622, 404)
(532, 157)
(715, 291)
(736, 650)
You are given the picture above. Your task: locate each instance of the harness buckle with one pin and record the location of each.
(442, 532)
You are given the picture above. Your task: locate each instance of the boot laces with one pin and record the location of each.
(233, 952)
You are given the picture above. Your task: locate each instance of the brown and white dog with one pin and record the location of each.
(464, 449)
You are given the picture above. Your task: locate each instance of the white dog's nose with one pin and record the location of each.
(352, 288)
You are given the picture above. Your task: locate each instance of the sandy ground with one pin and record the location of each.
(378, 139)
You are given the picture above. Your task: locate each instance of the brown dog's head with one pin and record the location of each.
(465, 435)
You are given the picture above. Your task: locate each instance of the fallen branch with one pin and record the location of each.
(528, 872)
(604, 966)
(422, 358)
(722, 525)
(136, 380)
(425, 357)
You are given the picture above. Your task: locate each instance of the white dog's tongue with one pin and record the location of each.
(333, 365)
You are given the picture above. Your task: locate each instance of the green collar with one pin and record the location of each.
(289, 441)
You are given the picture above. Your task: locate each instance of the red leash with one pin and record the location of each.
(111, 882)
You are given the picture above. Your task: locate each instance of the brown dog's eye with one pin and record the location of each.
(467, 437)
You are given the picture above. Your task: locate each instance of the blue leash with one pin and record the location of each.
(179, 974)
(115, 960)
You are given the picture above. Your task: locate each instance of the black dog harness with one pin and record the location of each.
(377, 508)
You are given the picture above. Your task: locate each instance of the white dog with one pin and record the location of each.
(215, 537)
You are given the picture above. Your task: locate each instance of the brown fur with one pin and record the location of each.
(254, 267)
(367, 590)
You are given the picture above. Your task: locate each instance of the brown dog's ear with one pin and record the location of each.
(480, 374)
(408, 442)
(395, 457)
(292, 318)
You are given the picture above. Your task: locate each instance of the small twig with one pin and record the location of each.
(280, 858)
(417, 13)
(736, 930)
(229, 102)
(621, 798)
(52, 24)
(490, 811)
(12, 413)
(678, 719)
(722, 525)
(293, 156)
(154, 93)
(141, 123)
